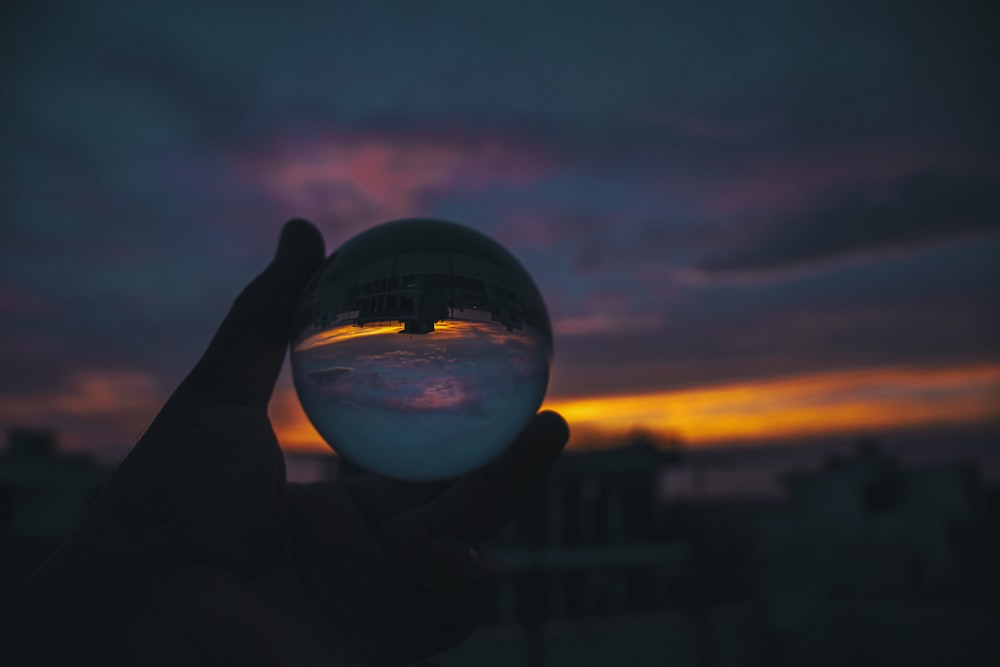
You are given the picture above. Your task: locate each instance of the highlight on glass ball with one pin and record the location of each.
(421, 349)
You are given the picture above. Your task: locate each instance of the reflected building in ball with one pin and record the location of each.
(420, 289)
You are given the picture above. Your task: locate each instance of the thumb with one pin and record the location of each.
(244, 358)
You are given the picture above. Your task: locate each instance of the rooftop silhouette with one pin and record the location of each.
(860, 555)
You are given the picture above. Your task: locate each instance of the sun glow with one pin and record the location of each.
(856, 401)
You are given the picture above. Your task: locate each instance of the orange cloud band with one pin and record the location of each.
(844, 402)
(856, 401)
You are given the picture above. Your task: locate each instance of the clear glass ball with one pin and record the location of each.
(421, 348)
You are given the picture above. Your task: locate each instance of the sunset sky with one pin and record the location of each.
(750, 221)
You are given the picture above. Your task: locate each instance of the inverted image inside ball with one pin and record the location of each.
(421, 348)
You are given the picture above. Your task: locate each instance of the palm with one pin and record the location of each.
(369, 571)
(235, 566)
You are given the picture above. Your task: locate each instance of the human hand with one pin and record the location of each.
(199, 552)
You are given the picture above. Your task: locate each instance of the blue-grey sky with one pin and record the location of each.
(706, 193)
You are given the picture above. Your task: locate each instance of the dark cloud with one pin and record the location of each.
(936, 307)
(922, 208)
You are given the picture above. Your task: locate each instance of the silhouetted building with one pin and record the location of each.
(420, 289)
(866, 526)
(864, 562)
(590, 544)
(43, 496)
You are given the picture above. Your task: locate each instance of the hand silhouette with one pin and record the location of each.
(199, 552)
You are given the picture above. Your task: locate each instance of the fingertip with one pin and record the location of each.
(301, 242)
(537, 446)
(299, 226)
(244, 358)
(554, 425)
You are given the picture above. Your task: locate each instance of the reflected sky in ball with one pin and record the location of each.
(421, 406)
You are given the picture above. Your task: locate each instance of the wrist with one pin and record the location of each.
(68, 609)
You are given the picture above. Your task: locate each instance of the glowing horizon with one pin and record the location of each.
(858, 401)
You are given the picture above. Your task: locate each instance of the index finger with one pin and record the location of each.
(245, 356)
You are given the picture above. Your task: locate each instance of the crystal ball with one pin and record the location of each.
(420, 349)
